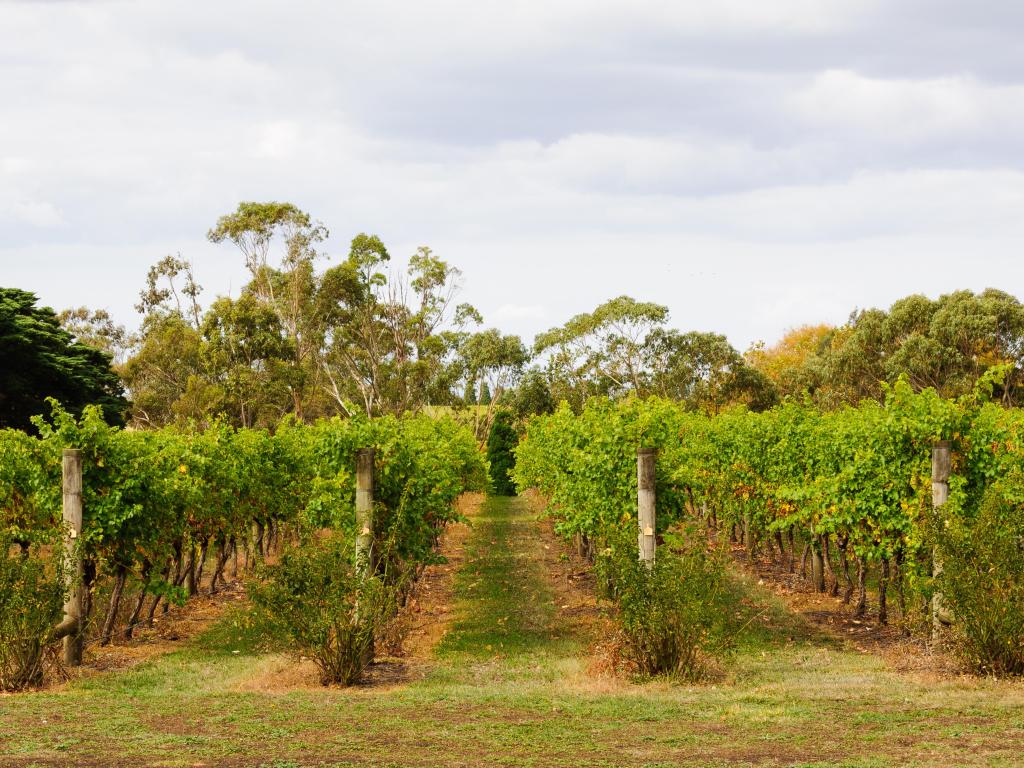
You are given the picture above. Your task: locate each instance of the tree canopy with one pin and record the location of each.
(42, 360)
(623, 347)
(370, 334)
(946, 343)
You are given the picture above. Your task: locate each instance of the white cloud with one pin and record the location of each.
(37, 213)
(905, 110)
(278, 139)
(518, 312)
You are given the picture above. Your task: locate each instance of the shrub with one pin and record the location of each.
(31, 605)
(678, 615)
(500, 443)
(982, 583)
(316, 601)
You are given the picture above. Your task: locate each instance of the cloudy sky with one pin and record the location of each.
(753, 165)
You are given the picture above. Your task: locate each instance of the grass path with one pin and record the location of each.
(509, 686)
(504, 603)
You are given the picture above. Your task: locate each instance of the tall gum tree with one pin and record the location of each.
(392, 337)
(600, 352)
(288, 286)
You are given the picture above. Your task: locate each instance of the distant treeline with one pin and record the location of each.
(357, 336)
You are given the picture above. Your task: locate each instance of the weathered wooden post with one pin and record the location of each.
(645, 504)
(941, 466)
(364, 511)
(71, 482)
(364, 532)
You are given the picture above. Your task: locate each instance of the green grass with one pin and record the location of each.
(509, 687)
(505, 606)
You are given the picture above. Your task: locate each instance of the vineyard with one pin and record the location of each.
(551, 642)
(160, 507)
(851, 488)
(525, 665)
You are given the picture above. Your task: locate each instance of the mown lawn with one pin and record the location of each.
(509, 685)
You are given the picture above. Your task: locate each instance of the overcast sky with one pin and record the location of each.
(753, 164)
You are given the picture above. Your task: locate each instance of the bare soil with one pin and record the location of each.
(427, 615)
(890, 641)
(169, 632)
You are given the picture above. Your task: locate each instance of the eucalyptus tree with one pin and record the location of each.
(278, 242)
(491, 362)
(947, 343)
(167, 373)
(97, 329)
(162, 286)
(704, 371)
(250, 358)
(391, 338)
(166, 370)
(600, 352)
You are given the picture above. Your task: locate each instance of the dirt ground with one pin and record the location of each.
(890, 641)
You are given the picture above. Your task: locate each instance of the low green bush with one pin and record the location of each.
(677, 617)
(982, 581)
(31, 605)
(315, 601)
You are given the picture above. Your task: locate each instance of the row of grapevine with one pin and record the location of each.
(157, 502)
(855, 482)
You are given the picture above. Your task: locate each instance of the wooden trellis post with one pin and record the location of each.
(71, 482)
(364, 511)
(941, 463)
(645, 504)
(364, 526)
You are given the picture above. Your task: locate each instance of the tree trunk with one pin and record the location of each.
(222, 558)
(190, 570)
(842, 543)
(883, 585)
(114, 605)
(778, 543)
(862, 589)
(792, 549)
(152, 610)
(693, 502)
(803, 560)
(133, 619)
(165, 575)
(201, 563)
(175, 579)
(901, 596)
(817, 565)
(834, 589)
(257, 540)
